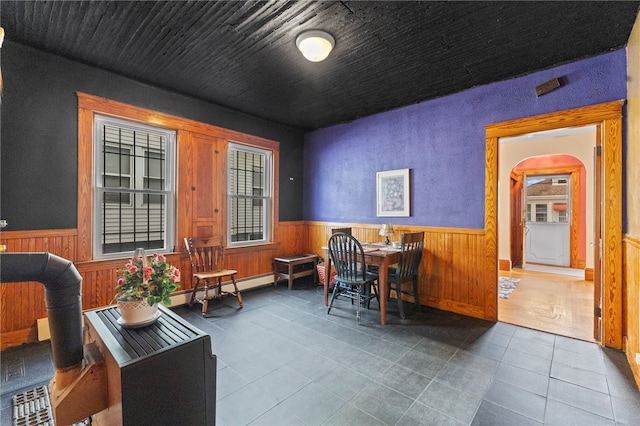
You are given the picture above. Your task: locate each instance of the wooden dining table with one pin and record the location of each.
(377, 254)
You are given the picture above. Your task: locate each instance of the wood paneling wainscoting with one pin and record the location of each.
(452, 273)
(631, 294)
(22, 304)
(452, 269)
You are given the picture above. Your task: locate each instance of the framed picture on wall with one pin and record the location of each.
(392, 190)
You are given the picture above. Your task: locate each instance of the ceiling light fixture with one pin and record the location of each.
(315, 45)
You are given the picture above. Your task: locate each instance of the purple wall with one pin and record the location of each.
(442, 142)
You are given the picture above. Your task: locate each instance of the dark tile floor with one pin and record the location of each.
(283, 361)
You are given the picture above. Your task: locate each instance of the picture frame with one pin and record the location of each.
(392, 193)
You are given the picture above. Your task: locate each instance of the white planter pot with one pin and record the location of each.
(137, 313)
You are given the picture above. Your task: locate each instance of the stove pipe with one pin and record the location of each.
(63, 297)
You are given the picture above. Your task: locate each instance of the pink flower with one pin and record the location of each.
(153, 282)
(175, 274)
(148, 271)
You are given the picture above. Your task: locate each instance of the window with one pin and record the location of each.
(560, 181)
(541, 212)
(134, 187)
(562, 216)
(249, 194)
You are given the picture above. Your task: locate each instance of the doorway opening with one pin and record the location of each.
(547, 214)
(607, 247)
(546, 237)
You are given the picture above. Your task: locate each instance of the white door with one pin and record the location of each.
(547, 232)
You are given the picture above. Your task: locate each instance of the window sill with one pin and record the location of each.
(252, 248)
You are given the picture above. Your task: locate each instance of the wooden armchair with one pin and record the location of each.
(207, 263)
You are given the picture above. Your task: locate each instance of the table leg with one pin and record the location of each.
(290, 275)
(327, 276)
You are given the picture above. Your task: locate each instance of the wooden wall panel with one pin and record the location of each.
(451, 273)
(632, 302)
(22, 304)
(293, 237)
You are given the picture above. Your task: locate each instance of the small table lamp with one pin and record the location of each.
(386, 230)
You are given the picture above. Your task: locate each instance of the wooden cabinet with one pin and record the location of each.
(202, 186)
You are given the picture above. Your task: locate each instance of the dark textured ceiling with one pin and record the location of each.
(388, 54)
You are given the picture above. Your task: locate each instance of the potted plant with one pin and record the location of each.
(142, 284)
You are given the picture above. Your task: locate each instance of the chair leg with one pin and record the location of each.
(205, 306)
(416, 299)
(399, 298)
(193, 293)
(367, 294)
(359, 304)
(333, 296)
(205, 299)
(235, 287)
(375, 292)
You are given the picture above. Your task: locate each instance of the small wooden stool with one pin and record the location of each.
(292, 267)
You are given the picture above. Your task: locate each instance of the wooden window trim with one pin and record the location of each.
(89, 105)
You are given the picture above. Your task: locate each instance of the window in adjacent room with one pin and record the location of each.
(249, 194)
(541, 212)
(134, 193)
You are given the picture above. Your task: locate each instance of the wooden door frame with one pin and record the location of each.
(574, 194)
(608, 118)
(516, 220)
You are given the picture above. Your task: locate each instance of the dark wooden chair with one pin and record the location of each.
(403, 278)
(352, 280)
(207, 263)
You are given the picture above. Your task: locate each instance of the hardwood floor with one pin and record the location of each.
(557, 304)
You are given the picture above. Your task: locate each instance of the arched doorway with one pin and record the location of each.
(549, 197)
(547, 205)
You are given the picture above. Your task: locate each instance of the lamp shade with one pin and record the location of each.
(386, 230)
(315, 45)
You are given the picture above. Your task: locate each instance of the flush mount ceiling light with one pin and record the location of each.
(315, 45)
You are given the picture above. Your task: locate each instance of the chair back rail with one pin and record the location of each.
(411, 255)
(206, 254)
(347, 256)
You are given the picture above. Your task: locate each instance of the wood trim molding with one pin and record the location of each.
(491, 228)
(632, 241)
(119, 109)
(89, 105)
(39, 233)
(609, 117)
(504, 264)
(577, 117)
(402, 228)
(574, 172)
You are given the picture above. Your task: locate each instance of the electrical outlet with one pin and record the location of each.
(637, 358)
